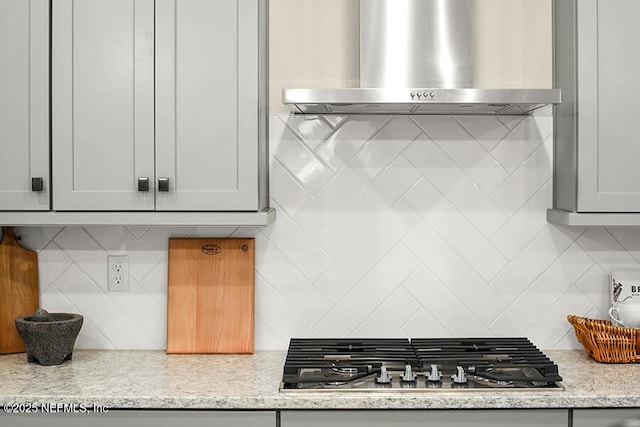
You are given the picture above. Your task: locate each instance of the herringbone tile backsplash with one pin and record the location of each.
(387, 226)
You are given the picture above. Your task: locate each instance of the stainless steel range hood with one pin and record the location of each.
(416, 57)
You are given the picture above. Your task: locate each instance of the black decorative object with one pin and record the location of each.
(49, 337)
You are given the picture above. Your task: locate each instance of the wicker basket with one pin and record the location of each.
(607, 343)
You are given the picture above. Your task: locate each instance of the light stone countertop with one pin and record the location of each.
(153, 379)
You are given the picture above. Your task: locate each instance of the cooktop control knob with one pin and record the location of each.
(435, 375)
(408, 376)
(460, 377)
(384, 377)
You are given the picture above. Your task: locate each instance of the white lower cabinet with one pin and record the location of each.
(626, 417)
(439, 418)
(144, 418)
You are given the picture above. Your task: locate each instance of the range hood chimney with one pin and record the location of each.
(417, 57)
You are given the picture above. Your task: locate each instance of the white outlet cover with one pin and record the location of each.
(118, 273)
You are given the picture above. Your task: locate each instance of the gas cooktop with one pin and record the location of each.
(418, 364)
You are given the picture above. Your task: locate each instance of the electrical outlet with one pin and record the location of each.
(118, 272)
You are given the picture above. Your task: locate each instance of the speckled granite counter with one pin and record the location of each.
(152, 379)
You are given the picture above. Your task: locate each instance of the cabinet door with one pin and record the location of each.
(609, 88)
(606, 417)
(56, 416)
(24, 103)
(434, 418)
(102, 100)
(207, 104)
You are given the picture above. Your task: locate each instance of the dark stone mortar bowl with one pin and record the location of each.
(49, 337)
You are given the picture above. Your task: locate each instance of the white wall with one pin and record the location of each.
(387, 226)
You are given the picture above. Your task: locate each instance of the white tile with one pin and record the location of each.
(309, 128)
(335, 120)
(569, 342)
(155, 326)
(36, 237)
(135, 303)
(51, 263)
(526, 181)
(594, 284)
(534, 259)
(211, 232)
(516, 147)
(265, 338)
(551, 285)
(376, 239)
(156, 239)
(463, 150)
(367, 252)
(155, 284)
(455, 229)
(423, 325)
(118, 240)
(248, 232)
(299, 160)
(521, 228)
(289, 282)
(606, 250)
(453, 271)
(138, 230)
(300, 248)
(487, 130)
(510, 122)
(341, 191)
(629, 238)
(368, 163)
(552, 327)
(389, 317)
(449, 310)
(373, 289)
(349, 138)
(54, 301)
(456, 186)
(281, 317)
(353, 222)
(86, 254)
(103, 313)
(90, 338)
(295, 201)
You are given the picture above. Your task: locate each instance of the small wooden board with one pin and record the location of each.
(210, 302)
(19, 293)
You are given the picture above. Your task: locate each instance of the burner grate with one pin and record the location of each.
(329, 353)
(331, 363)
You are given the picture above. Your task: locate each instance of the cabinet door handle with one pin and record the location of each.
(143, 183)
(163, 184)
(37, 183)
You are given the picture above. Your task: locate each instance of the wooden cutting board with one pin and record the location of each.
(19, 295)
(210, 302)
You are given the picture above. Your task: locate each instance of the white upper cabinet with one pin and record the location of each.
(24, 105)
(597, 64)
(207, 104)
(158, 112)
(156, 105)
(102, 101)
